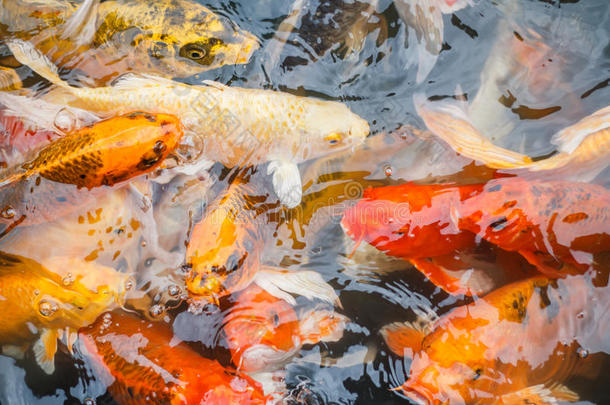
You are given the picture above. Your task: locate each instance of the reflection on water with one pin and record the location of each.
(182, 256)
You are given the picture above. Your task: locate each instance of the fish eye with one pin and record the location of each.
(333, 138)
(194, 52)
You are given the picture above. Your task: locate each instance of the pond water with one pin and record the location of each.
(558, 77)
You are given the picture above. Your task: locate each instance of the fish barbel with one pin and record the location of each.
(146, 367)
(171, 38)
(240, 127)
(53, 302)
(558, 227)
(516, 345)
(263, 332)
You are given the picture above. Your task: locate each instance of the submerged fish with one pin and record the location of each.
(41, 304)
(239, 127)
(583, 147)
(516, 345)
(224, 253)
(556, 226)
(142, 365)
(102, 154)
(424, 18)
(165, 37)
(263, 332)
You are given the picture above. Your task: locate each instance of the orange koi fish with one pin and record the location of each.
(102, 154)
(146, 368)
(263, 331)
(555, 226)
(516, 345)
(41, 305)
(224, 253)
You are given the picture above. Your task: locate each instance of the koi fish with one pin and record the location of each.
(144, 366)
(42, 305)
(120, 35)
(263, 332)
(555, 226)
(582, 147)
(102, 154)
(425, 19)
(240, 127)
(518, 344)
(224, 252)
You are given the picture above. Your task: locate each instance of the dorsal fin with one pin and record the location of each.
(568, 139)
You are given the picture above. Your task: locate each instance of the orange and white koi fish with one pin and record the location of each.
(145, 367)
(556, 226)
(263, 332)
(518, 344)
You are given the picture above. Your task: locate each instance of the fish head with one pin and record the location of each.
(87, 289)
(437, 382)
(330, 126)
(140, 142)
(194, 40)
(218, 255)
(261, 330)
(322, 325)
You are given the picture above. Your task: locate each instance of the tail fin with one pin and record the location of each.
(450, 122)
(28, 55)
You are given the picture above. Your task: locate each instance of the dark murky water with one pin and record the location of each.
(378, 82)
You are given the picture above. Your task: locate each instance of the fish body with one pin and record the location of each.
(239, 127)
(263, 332)
(101, 154)
(39, 303)
(556, 226)
(424, 18)
(224, 248)
(171, 38)
(145, 367)
(517, 344)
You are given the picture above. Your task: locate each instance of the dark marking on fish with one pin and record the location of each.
(598, 86)
(577, 216)
(528, 113)
(471, 32)
(499, 224)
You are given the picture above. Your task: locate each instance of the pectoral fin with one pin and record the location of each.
(454, 276)
(286, 182)
(45, 349)
(310, 284)
(539, 395)
(403, 338)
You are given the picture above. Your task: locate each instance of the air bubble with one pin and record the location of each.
(47, 308)
(387, 170)
(156, 310)
(89, 401)
(128, 284)
(580, 315)
(68, 280)
(8, 212)
(582, 352)
(173, 290)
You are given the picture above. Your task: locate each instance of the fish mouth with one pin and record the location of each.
(419, 395)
